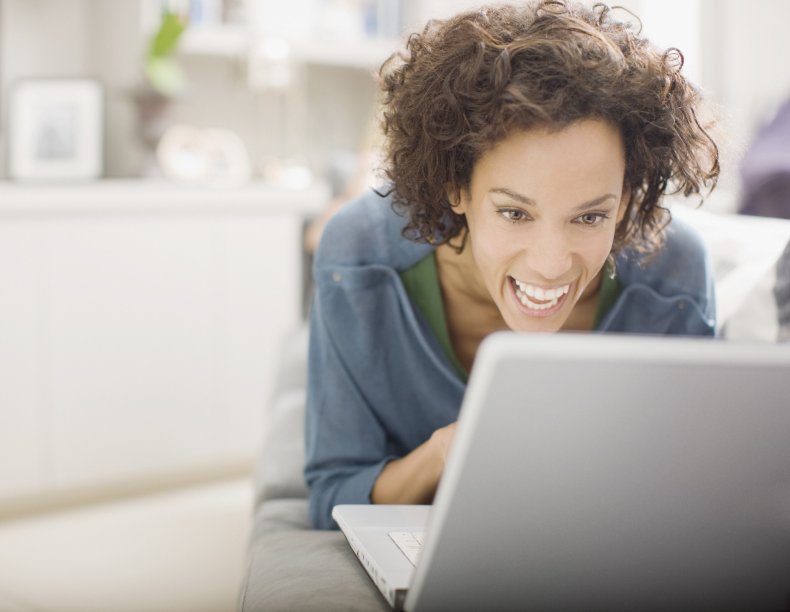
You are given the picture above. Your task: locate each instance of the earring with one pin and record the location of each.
(611, 266)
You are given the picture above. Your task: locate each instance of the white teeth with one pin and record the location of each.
(526, 291)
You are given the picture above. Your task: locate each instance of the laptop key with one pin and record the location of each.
(409, 542)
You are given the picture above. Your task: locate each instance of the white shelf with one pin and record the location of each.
(218, 41)
(133, 196)
(364, 54)
(237, 41)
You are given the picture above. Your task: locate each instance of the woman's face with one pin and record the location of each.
(542, 209)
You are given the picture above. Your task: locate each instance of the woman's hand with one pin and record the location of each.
(413, 479)
(442, 440)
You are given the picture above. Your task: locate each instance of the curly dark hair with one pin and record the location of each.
(464, 83)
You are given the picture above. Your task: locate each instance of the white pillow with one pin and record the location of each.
(745, 252)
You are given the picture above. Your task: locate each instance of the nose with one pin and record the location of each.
(549, 255)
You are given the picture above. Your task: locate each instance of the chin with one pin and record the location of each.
(548, 325)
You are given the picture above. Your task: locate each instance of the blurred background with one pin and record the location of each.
(294, 82)
(162, 163)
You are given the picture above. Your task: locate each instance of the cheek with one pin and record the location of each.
(491, 252)
(596, 251)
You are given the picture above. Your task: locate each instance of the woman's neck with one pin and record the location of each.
(470, 311)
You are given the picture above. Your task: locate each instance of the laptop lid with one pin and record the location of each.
(614, 472)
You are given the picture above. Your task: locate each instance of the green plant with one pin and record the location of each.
(161, 70)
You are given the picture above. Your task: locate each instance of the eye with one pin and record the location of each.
(514, 215)
(592, 219)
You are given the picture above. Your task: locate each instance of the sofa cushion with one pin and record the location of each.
(281, 462)
(292, 567)
(279, 473)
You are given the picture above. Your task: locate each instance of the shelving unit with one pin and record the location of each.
(293, 95)
(141, 325)
(235, 42)
(364, 50)
(365, 55)
(229, 41)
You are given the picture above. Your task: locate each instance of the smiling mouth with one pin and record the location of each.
(538, 298)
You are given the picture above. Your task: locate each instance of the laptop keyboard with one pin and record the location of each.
(410, 543)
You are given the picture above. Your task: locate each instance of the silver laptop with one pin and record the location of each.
(600, 472)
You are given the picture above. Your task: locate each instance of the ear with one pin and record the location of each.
(459, 199)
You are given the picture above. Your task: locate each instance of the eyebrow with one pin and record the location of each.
(530, 202)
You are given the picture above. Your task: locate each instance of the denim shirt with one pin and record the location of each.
(379, 383)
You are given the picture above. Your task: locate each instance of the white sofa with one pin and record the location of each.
(291, 567)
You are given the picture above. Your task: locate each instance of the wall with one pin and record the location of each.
(116, 47)
(75, 38)
(66, 28)
(745, 62)
(24, 24)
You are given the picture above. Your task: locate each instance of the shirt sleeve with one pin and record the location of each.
(692, 269)
(345, 443)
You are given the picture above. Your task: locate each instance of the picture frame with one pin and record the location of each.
(56, 130)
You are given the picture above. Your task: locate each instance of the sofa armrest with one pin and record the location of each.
(280, 470)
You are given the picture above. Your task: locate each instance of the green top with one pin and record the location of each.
(422, 286)
(609, 292)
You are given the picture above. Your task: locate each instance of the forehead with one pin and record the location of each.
(591, 151)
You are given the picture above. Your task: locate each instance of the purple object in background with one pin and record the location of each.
(765, 169)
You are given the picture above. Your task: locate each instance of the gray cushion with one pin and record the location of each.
(291, 567)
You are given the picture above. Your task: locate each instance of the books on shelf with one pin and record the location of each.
(204, 13)
(298, 19)
(359, 34)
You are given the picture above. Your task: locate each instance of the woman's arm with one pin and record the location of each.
(372, 399)
(345, 442)
(349, 454)
(413, 479)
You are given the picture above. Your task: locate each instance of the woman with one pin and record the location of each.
(528, 149)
